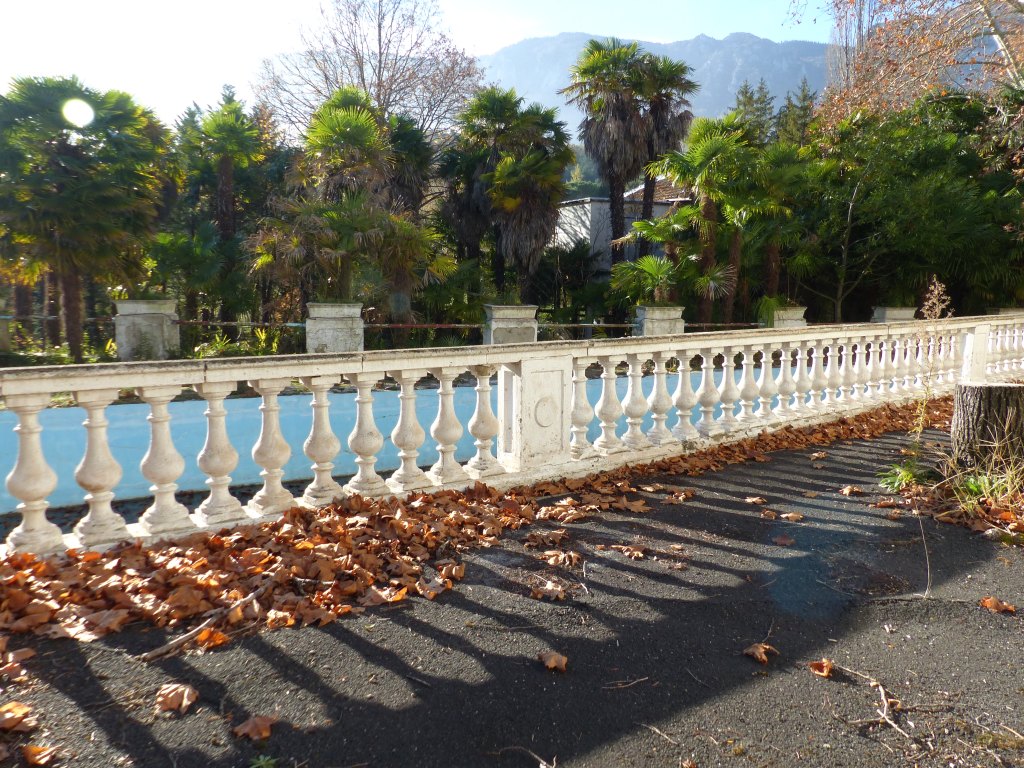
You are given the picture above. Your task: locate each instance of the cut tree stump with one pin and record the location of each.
(988, 421)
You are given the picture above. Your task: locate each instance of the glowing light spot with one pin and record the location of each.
(78, 113)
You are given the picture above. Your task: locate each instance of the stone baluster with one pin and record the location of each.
(635, 405)
(833, 374)
(1006, 348)
(608, 410)
(98, 474)
(271, 452)
(883, 369)
(997, 351)
(913, 360)
(803, 383)
(708, 397)
(217, 459)
(660, 402)
(729, 393)
(819, 379)
(483, 426)
(768, 388)
(787, 384)
(748, 390)
(853, 353)
(408, 435)
(953, 359)
(990, 356)
(365, 440)
(31, 480)
(446, 431)
(868, 381)
(1015, 361)
(162, 465)
(899, 366)
(582, 412)
(684, 401)
(321, 445)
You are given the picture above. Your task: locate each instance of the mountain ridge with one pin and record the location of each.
(538, 67)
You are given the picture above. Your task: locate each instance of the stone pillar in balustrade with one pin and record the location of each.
(789, 317)
(510, 324)
(334, 328)
(893, 314)
(535, 406)
(658, 321)
(146, 329)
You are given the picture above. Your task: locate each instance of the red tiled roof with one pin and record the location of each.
(664, 192)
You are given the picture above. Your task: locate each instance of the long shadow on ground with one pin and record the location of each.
(655, 673)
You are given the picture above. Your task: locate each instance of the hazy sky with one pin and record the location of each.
(168, 55)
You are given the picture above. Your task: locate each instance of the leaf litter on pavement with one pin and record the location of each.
(313, 566)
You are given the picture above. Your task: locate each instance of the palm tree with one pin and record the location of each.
(604, 84)
(79, 198)
(525, 191)
(663, 86)
(710, 163)
(504, 174)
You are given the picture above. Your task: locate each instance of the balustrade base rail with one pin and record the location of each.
(541, 428)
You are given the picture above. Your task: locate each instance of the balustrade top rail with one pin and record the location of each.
(63, 378)
(547, 422)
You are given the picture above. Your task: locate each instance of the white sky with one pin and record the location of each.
(171, 54)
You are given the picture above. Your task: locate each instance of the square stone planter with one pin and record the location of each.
(334, 327)
(789, 317)
(659, 321)
(145, 329)
(510, 324)
(893, 314)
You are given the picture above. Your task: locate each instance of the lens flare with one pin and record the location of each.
(78, 113)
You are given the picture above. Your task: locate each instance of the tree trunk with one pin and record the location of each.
(709, 236)
(51, 309)
(988, 423)
(23, 309)
(773, 268)
(617, 203)
(71, 313)
(647, 212)
(735, 252)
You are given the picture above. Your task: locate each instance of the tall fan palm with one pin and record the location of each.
(663, 85)
(605, 86)
(525, 191)
(79, 193)
(711, 164)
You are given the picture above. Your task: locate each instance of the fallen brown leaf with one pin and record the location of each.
(759, 652)
(784, 541)
(256, 728)
(996, 605)
(810, 494)
(793, 517)
(769, 514)
(819, 455)
(553, 660)
(176, 696)
(850, 490)
(756, 500)
(38, 755)
(14, 716)
(822, 668)
(550, 589)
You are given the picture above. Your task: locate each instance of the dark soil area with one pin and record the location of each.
(656, 673)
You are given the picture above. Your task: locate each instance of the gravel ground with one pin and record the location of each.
(656, 673)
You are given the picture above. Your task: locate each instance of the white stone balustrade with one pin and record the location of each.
(679, 393)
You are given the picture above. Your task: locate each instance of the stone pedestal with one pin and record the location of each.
(658, 321)
(789, 317)
(893, 314)
(146, 329)
(510, 324)
(334, 328)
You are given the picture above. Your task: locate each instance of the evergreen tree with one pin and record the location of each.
(756, 107)
(795, 116)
